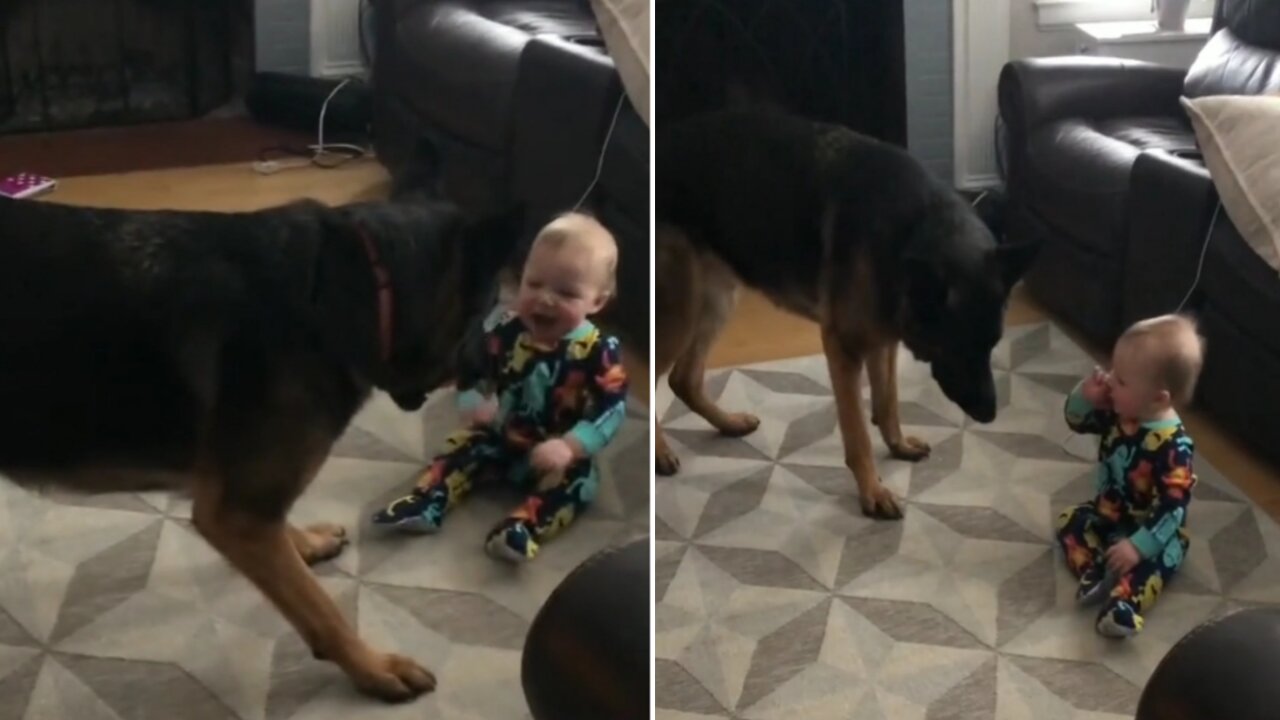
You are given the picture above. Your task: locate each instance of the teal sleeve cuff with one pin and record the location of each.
(1078, 407)
(593, 435)
(469, 400)
(1146, 543)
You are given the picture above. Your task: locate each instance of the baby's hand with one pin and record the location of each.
(1122, 557)
(1097, 390)
(551, 456)
(483, 414)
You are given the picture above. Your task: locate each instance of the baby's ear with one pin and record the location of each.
(602, 299)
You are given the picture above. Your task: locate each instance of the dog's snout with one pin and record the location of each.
(983, 412)
(972, 389)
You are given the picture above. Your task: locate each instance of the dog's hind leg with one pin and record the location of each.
(677, 301)
(719, 297)
(882, 370)
(846, 375)
(638, 385)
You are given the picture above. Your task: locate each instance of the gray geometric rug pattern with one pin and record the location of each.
(778, 599)
(113, 608)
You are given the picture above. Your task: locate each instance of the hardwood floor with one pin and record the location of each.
(760, 332)
(232, 186)
(184, 144)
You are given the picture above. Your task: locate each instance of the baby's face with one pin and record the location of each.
(1135, 393)
(560, 287)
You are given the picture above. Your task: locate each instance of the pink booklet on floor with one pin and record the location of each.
(25, 185)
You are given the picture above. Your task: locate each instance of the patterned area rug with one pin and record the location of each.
(777, 599)
(111, 607)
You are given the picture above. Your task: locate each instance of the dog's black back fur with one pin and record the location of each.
(791, 205)
(142, 340)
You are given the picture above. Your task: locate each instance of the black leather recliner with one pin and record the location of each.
(1103, 170)
(515, 99)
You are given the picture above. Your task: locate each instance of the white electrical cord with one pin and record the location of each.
(1204, 251)
(603, 149)
(320, 152)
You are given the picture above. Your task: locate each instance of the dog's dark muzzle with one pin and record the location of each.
(970, 386)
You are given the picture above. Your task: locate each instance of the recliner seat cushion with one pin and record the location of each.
(1077, 175)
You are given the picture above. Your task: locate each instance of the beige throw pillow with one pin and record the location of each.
(1240, 138)
(625, 27)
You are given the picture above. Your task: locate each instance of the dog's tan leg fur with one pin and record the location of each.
(638, 385)
(266, 552)
(688, 376)
(882, 370)
(846, 374)
(694, 298)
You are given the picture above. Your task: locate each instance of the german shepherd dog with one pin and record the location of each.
(837, 227)
(222, 354)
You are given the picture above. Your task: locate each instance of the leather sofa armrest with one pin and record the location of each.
(1036, 91)
(565, 98)
(1171, 204)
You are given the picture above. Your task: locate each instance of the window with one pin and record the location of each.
(1051, 13)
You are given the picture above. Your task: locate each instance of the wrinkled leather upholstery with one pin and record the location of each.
(1103, 171)
(462, 58)
(1037, 91)
(1162, 255)
(1228, 66)
(1256, 22)
(1078, 172)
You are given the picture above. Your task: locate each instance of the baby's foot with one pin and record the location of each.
(1093, 585)
(1119, 620)
(421, 512)
(512, 542)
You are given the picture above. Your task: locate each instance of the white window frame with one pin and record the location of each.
(1060, 13)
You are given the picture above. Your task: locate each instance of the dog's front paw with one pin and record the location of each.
(320, 542)
(739, 425)
(909, 448)
(666, 462)
(394, 678)
(880, 503)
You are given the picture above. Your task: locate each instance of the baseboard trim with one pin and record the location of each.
(979, 182)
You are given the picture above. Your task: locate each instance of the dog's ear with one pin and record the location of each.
(1013, 260)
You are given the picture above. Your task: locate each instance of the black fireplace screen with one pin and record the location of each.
(80, 63)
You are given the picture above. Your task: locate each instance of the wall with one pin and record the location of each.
(930, 115)
(1027, 39)
(282, 36)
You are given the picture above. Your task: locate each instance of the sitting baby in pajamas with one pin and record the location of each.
(1127, 542)
(553, 397)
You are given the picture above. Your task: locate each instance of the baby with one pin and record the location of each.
(1132, 533)
(552, 397)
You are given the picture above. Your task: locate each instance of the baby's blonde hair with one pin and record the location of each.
(1175, 350)
(580, 227)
